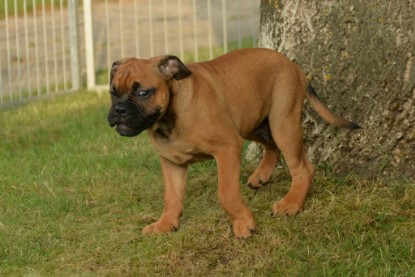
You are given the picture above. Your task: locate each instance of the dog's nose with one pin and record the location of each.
(120, 110)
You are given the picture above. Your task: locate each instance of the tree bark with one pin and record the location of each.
(359, 56)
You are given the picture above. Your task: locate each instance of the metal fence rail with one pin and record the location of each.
(52, 46)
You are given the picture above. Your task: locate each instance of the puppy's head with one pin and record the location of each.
(140, 91)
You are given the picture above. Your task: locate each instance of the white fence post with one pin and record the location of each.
(89, 45)
(224, 27)
(210, 40)
(74, 43)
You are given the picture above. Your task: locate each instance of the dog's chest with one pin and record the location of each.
(178, 151)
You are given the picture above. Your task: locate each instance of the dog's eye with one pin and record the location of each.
(143, 94)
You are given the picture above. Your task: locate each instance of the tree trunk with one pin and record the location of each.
(359, 56)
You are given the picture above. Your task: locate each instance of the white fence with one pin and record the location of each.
(52, 46)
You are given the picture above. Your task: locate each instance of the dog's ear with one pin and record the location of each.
(114, 68)
(173, 67)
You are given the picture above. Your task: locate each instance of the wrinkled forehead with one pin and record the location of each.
(140, 71)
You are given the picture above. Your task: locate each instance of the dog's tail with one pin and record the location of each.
(324, 112)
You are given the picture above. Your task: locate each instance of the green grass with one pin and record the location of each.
(75, 196)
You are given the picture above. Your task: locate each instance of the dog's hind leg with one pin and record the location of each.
(270, 157)
(288, 134)
(262, 174)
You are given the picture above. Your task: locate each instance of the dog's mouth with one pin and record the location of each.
(121, 127)
(126, 131)
(132, 126)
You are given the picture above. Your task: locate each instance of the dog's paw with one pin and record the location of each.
(256, 183)
(160, 227)
(286, 208)
(243, 229)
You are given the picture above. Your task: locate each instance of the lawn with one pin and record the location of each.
(75, 196)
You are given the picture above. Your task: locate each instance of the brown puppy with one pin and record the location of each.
(205, 110)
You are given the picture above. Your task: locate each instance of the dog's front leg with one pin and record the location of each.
(229, 161)
(174, 187)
